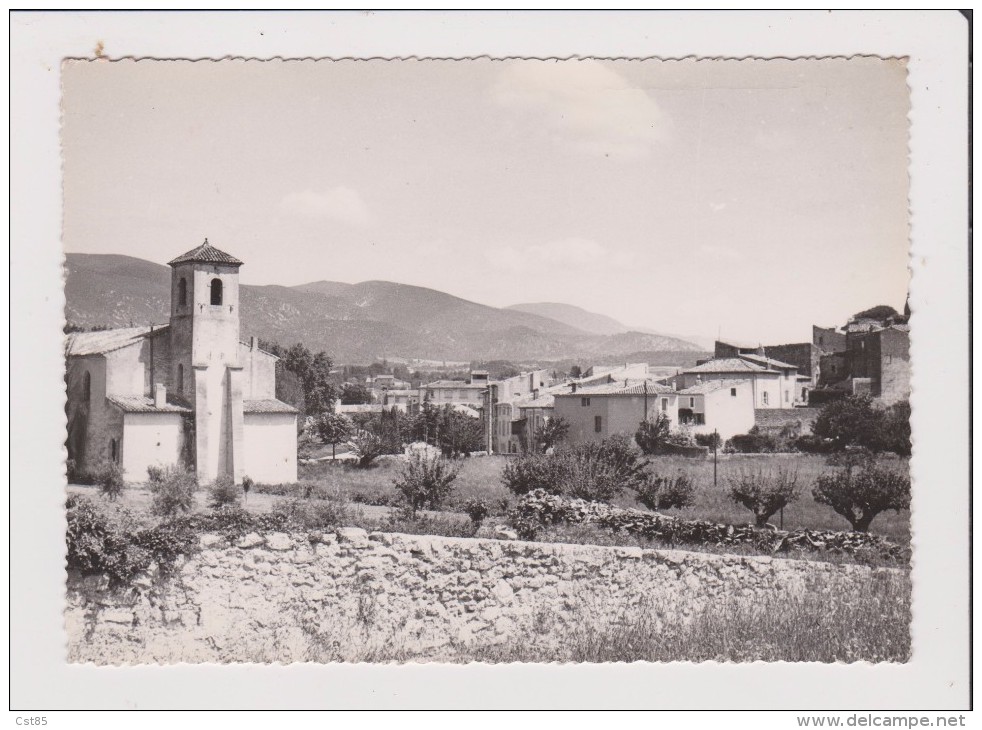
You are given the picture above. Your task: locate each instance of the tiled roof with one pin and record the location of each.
(768, 361)
(543, 401)
(267, 405)
(455, 384)
(402, 391)
(635, 388)
(727, 365)
(710, 386)
(96, 343)
(206, 254)
(143, 404)
(466, 410)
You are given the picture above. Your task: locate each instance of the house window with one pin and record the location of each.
(114, 451)
(216, 292)
(787, 396)
(598, 424)
(180, 378)
(733, 392)
(692, 402)
(584, 401)
(87, 387)
(182, 291)
(765, 398)
(664, 404)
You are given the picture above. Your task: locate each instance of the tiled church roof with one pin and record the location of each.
(207, 254)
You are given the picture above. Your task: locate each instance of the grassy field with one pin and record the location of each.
(480, 478)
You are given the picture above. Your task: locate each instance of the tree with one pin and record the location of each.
(333, 428)
(860, 491)
(555, 430)
(764, 493)
(426, 481)
(367, 448)
(880, 312)
(662, 492)
(897, 428)
(852, 421)
(652, 436)
(355, 394)
(312, 373)
(576, 372)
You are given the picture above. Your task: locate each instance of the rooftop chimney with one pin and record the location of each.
(159, 395)
(574, 387)
(254, 343)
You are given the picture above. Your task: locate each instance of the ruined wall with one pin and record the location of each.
(342, 595)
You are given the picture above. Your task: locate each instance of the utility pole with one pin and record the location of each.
(715, 458)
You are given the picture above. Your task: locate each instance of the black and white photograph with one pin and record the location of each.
(499, 361)
(374, 364)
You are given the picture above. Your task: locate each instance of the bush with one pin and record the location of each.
(155, 474)
(764, 493)
(174, 493)
(709, 440)
(529, 472)
(477, 510)
(595, 471)
(860, 492)
(315, 514)
(856, 421)
(224, 492)
(657, 492)
(425, 481)
(367, 447)
(111, 482)
(754, 441)
(552, 433)
(98, 543)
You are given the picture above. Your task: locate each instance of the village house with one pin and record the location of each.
(722, 406)
(600, 411)
(468, 392)
(189, 393)
(774, 384)
(403, 399)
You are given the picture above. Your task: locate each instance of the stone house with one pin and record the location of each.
(597, 412)
(775, 384)
(723, 406)
(187, 393)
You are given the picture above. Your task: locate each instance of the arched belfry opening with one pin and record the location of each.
(216, 292)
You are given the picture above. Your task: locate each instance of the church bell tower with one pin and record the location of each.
(205, 363)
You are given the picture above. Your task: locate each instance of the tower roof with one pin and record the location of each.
(206, 254)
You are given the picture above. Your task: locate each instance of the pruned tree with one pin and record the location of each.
(764, 492)
(861, 491)
(552, 433)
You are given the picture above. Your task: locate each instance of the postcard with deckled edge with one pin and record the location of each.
(498, 361)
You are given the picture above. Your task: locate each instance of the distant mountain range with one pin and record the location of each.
(374, 319)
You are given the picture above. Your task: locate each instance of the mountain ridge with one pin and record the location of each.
(352, 322)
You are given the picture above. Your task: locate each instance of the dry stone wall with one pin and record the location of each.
(353, 596)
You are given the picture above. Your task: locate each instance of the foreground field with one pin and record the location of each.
(480, 479)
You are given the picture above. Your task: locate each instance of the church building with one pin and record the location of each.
(189, 393)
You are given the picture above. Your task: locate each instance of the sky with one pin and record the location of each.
(748, 199)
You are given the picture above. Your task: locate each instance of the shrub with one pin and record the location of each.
(860, 492)
(224, 492)
(425, 481)
(709, 440)
(659, 492)
(111, 482)
(764, 493)
(333, 428)
(856, 421)
(115, 547)
(657, 437)
(367, 447)
(754, 441)
(155, 474)
(477, 510)
(529, 472)
(317, 513)
(174, 493)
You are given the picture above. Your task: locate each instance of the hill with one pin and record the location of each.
(353, 322)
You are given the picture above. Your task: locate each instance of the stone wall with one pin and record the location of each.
(774, 419)
(349, 595)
